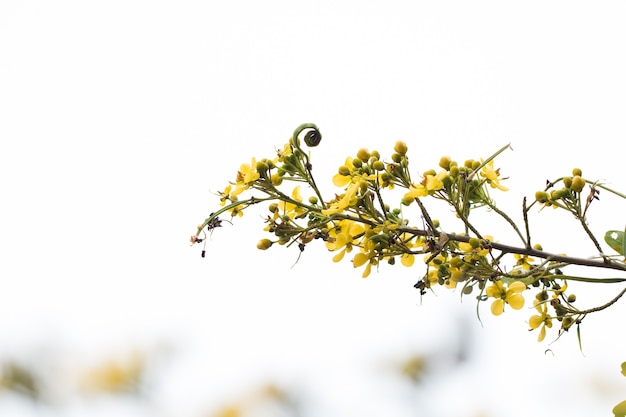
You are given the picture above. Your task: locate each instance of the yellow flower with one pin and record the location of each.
(341, 180)
(349, 197)
(343, 237)
(290, 209)
(367, 255)
(247, 173)
(429, 185)
(492, 176)
(523, 261)
(510, 296)
(542, 319)
(415, 191)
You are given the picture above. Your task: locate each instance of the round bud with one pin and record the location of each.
(475, 165)
(261, 167)
(313, 200)
(577, 171)
(454, 171)
(344, 170)
(264, 244)
(542, 296)
(363, 154)
(273, 207)
(277, 179)
(358, 163)
(406, 201)
(378, 166)
(436, 223)
(444, 162)
(430, 172)
(468, 289)
(474, 242)
(401, 148)
(559, 194)
(567, 182)
(375, 154)
(396, 157)
(542, 197)
(578, 183)
(456, 262)
(571, 298)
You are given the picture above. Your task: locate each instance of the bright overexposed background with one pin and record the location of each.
(119, 120)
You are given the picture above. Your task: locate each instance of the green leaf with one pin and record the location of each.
(616, 240)
(620, 409)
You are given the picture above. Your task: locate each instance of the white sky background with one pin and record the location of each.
(118, 119)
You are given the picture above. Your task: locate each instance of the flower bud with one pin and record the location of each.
(363, 154)
(264, 244)
(578, 183)
(567, 182)
(577, 171)
(378, 166)
(444, 162)
(542, 197)
(400, 147)
(344, 170)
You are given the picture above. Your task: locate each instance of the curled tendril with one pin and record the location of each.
(312, 138)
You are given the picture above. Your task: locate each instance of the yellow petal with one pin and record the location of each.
(360, 259)
(535, 321)
(407, 259)
(517, 286)
(339, 256)
(516, 301)
(542, 334)
(497, 307)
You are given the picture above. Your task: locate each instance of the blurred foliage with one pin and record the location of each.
(20, 379)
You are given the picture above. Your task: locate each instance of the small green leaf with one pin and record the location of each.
(620, 409)
(616, 240)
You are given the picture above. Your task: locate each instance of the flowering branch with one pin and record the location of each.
(361, 219)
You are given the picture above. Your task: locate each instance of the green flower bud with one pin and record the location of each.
(344, 170)
(313, 200)
(273, 207)
(264, 244)
(406, 201)
(358, 163)
(571, 298)
(542, 197)
(577, 171)
(378, 166)
(567, 182)
(474, 242)
(396, 157)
